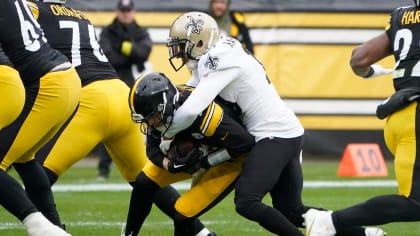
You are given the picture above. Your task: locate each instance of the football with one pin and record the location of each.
(182, 147)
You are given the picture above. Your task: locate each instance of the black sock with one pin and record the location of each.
(13, 198)
(377, 211)
(141, 202)
(38, 189)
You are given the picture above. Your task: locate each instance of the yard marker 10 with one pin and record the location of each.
(362, 160)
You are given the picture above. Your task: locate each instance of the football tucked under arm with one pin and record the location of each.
(184, 156)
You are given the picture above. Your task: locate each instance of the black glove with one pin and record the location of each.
(188, 163)
(397, 101)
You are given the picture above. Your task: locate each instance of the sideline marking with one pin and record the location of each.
(185, 186)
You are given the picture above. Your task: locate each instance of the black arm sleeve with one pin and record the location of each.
(153, 151)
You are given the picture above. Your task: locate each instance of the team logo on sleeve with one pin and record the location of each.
(195, 25)
(212, 62)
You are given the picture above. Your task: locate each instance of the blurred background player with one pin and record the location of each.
(231, 23)
(103, 115)
(126, 44)
(400, 38)
(153, 100)
(52, 89)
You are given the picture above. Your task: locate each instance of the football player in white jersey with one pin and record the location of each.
(222, 67)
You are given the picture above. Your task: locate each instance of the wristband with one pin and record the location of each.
(218, 157)
(370, 73)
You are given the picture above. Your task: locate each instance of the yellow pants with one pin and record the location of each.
(400, 137)
(213, 183)
(12, 95)
(47, 106)
(103, 116)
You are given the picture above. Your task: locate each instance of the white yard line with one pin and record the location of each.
(184, 186)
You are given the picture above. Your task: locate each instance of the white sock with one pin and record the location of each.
(34, 219)
(203, 232)
(37, 224)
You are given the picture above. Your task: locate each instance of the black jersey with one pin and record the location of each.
(4, 60)
(216, 127)
(403, 31)
(69, 31)
(24, 43)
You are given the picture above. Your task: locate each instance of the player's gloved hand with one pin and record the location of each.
(165, 144)
(377, 70)
(126, 47)
(187, 163)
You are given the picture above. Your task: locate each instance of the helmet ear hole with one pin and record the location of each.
(199, 44)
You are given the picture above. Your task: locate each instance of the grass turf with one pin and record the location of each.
(104, 212)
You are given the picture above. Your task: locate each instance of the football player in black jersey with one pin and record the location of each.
(52, 89)
(103, 115)
(153, 100)
(400, 39)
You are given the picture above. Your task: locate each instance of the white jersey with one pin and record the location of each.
(229, 71)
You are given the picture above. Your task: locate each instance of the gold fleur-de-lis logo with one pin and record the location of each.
(196, 25)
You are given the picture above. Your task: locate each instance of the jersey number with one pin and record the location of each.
(30, 29)
(406, 36)
(75, 48)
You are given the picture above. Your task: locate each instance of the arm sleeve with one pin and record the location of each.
(200, 98)
(153, 151)
(234, 137)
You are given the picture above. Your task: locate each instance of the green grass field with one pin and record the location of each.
(103, 212)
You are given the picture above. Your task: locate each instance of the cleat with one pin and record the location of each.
(374, 232)
(318, 223)
(212, 234)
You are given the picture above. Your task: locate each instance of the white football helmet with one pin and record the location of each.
(190, 36)
(55, 1)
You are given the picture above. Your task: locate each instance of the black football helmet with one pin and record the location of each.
(153, 93)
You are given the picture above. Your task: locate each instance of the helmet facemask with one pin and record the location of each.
(179, 52)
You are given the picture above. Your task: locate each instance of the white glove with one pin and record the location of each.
(165, 144)
(377, 70)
